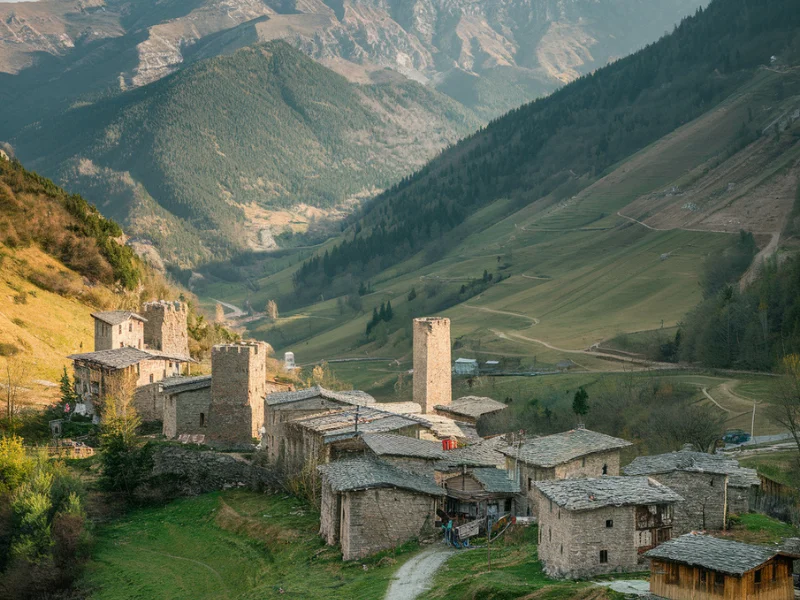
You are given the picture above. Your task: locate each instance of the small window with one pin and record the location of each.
(703, 576)
(130, 327)
(609, 523)
(551, 506)
(605, 469)
(562, 548)
(120, 327)
(583, 461)
(530, 484)
(757, 576)
(550, 534)
(121, 345)
(774, 573)
(151, 378)
(719, 579)
(559, 513)
(673, 573)
(603, 556)
(202, 419)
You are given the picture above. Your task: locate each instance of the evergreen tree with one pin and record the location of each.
(412, 294)
(389, 311)
(580, 403)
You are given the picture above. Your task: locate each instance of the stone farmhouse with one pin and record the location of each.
(600, 525)
(326, 437)
(407, 453)
(574, 453)
(702, 567)
(480, 491)
(369, 505)
(711, 485)
(133, 350)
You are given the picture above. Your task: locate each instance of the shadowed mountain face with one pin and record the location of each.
(490, 55)
(198, 162)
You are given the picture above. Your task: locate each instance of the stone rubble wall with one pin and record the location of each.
(705, 500)
(378, 519)
(182, 412)
(199, 472)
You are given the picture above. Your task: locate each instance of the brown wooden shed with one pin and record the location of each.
(701, 567)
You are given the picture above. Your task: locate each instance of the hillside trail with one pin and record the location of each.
(718, 405)
(533, 320)
(236, 311)
(416, 575)
(758, 262)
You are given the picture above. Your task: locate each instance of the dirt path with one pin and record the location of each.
(236, 311)
(416, 575)
(533, 320)
(759, 260)
(707, 395)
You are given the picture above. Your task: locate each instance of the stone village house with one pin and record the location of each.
(133, 350)
(469, 409)
(600, 525)
(701, 567)
(368, 505)
(574, 453)
(711, 485)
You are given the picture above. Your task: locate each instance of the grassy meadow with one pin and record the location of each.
(227, 545)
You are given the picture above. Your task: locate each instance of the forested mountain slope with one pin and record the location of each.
(195, 162)
(598, 209)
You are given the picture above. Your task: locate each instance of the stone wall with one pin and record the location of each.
(238, 388)
(378, 519)
(432, 371)
(166, 327)
(590, 465)
(330, 510)
(705, 500)
(148, 399)
(127, 334)
(570, 542)
(739, 499)
(187, 412)
(197, 472)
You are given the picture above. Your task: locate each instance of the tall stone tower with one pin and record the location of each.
(166, 327)
(238, 389)
(432, 373)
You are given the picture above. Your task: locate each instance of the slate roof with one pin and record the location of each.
(552, 450)
(340, 424)
(472, 406)
(348, 397)
(725, 556)
(588, 494)
(441, 426)
(176, 385)
(389, 444)
(116, 358)
(364, 473)
(481, 453)
(121, 358)
(400, 408)
(116, 317)
(696, 462)
(495, 480)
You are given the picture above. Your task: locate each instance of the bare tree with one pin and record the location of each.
(16, 372)
(786, 407)
(272, 310)
(678, 424)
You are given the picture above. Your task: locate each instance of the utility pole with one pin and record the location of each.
(488, 538)
(753, 422)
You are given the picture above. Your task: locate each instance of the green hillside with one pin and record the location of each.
(526, 234)
(181, 161)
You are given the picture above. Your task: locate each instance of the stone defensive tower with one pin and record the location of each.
(166, 327)
(238, 389)
(432, 374)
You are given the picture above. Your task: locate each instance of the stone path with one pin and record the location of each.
(629, 587)
(417, 574)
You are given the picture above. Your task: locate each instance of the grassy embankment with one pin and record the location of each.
(245, 545)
